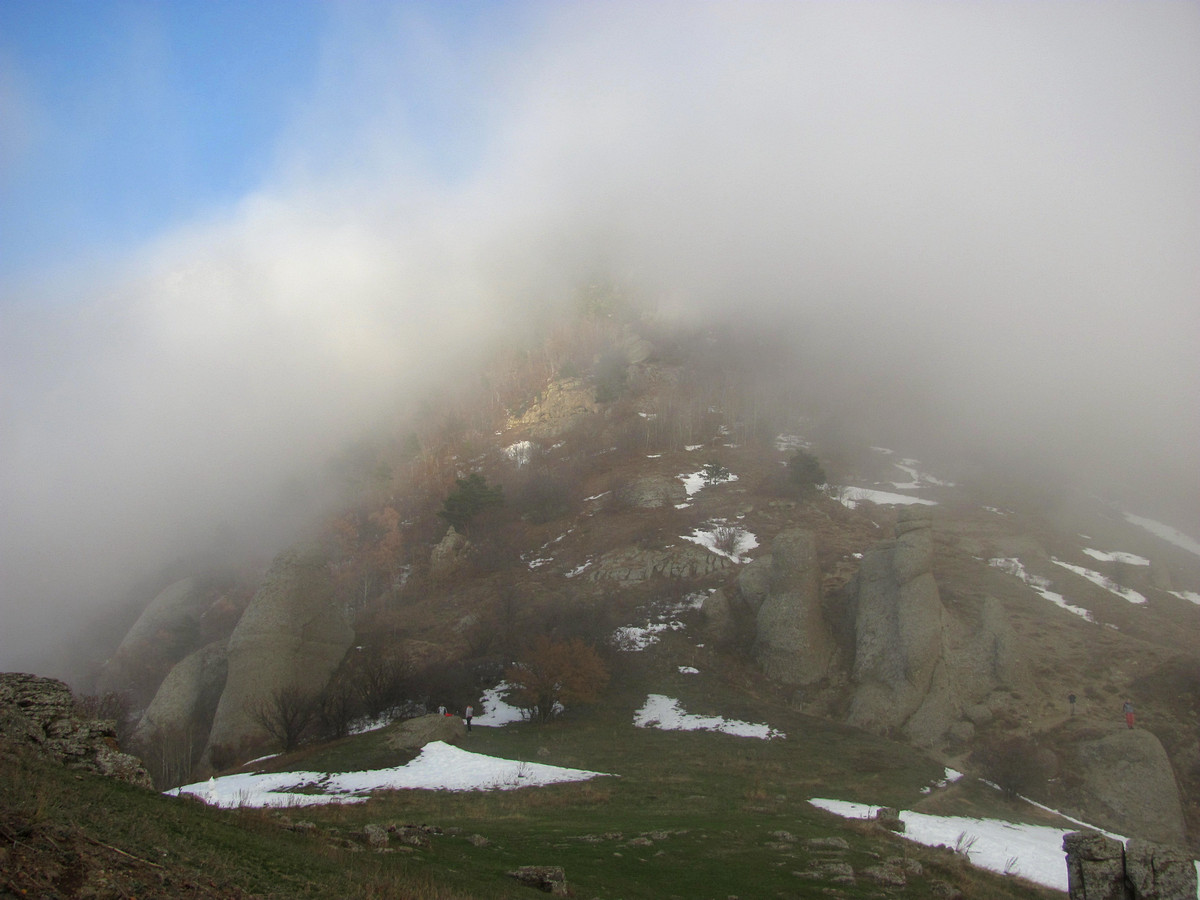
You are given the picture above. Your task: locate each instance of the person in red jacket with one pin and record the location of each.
(1128, 710)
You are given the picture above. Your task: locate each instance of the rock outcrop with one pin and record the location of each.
(1100, 868)
(292, 635)
(631, 566)
(449, 555)
(1124, 781)
(793, 643)
(565, 403)
(898, 629)
(40, 712)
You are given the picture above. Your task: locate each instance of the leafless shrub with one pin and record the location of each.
(285, 714)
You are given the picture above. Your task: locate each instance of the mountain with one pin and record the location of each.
(652, 484)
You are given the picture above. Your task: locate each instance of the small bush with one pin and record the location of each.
(470, 496)
(805, 472)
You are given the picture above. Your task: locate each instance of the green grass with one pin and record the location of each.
(688, 814)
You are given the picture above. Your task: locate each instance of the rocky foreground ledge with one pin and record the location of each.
(40, 712)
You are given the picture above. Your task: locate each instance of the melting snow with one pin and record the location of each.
(496, 710)
(1030, 851)
(1041, 585)
(1166, 532)
(742, 541)
(688, 670)
(439, 767)
(633, 638)
(852, 496)
(1186, 595)
(666, 714)
(521, 452)
(1101, 580)
(1131, 559)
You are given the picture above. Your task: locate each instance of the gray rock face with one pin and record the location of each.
(652, 492)
(898, 631)
(1127, 784)
(188, 695)
(1099, 868)
(40, 712)
(449, 555)
(754, 581)
(793, 643)
(292, 634)
(1155, 872)
(1095, 867)
(631, 566)
(164, 633)
(719, 625)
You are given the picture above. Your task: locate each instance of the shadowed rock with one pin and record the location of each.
(793, 642)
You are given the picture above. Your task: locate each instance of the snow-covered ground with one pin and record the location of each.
(1166, 532)
(1101, 580)
(1014, 566)
(439, 767)
(1031, 851)
(1193, 596)
(496, 712)
(666, 714)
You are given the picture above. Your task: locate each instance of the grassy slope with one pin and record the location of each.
(691, 815)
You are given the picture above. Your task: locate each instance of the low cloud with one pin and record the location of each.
(985, 212)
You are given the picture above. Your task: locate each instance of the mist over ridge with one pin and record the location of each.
(981, 222)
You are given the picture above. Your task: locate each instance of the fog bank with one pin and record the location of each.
(990, 212)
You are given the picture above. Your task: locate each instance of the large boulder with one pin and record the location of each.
(293, 635)
(1124, 781)
(187, 699)
(793, 643)
(40, 712)
(164, 633)
(1155, 872)
(1095, 866)
(898, 630)
(413, 734)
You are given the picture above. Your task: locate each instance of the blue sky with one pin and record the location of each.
(124, 118)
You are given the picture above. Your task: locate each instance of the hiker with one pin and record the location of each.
(441, 710)
(1128, 710)
(470, 715)
(1071, 700)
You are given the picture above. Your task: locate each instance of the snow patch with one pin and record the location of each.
(850, 497)
(666, 714)
(1118, 556)
(1014, 566)
(440, 767)
(1101, 580)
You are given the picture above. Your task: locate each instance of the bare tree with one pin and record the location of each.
(285, 714)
